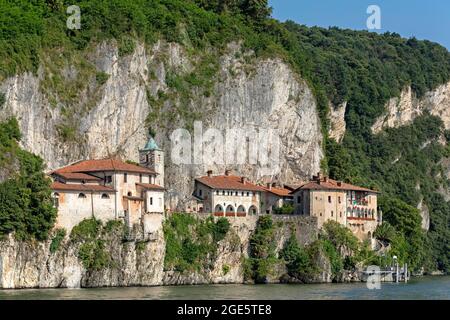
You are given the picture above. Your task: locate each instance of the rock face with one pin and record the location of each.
(403, 110)
(110, 117)
(425, 214)
(337, 122)
(137, 263)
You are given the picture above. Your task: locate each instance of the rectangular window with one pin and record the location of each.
(248, 193)
(329, 199)
(200, 192)
(125, 176)
(151, 201)
(140, 178)
(299, 199)
(339, 199)
(332, 213)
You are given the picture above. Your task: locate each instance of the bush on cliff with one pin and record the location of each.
(92, 252)
(191, 243)
(86, 230)
(262, 250)
(285, 209)
(298, 259)
(57, 239)
(409, 241)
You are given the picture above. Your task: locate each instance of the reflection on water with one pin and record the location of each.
(419, 288)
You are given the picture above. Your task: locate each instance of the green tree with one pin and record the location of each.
(26, 206)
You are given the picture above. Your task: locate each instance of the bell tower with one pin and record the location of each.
(152, 157)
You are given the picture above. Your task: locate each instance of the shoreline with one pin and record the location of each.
(222, 284)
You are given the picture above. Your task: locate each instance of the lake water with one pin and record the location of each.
(417, 288)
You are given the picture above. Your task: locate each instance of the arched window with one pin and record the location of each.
(81, 195)
(252, 210)
(105, 196)
(218, 209)
(230, 210)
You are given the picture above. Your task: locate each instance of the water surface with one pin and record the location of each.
(417, 288)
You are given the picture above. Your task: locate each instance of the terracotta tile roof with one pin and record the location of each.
(103, 165)
(282, 192)
(330, 184)
(228, 183)
(77, 176)
(150, 186)
(80, 187)
(134, 198)
(293, 187)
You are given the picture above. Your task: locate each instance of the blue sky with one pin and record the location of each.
(424, 19)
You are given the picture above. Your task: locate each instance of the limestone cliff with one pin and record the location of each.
(135, 262)
(337, 121)
(88, 118)
(403, 110)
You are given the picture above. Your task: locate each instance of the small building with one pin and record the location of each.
(228, 195)
(275, 197)
(109, 189)
(349, 205)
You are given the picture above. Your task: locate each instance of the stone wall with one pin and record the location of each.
(72, 209)
(305, 227)
(138, 260)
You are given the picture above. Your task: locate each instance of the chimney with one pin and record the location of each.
(269, 186)
(209, 173)
(317, 177)
(243, 180)
(227, 172)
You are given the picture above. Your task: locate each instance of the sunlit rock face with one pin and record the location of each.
(110, 117)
